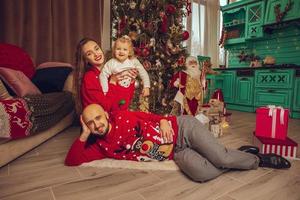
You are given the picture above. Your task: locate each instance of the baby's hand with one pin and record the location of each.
(146, 92)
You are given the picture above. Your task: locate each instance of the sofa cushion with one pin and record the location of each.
(16, 58)
(18, 82)
(53, 64)
(51, 79)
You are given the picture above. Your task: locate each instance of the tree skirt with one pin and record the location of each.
(127, 164)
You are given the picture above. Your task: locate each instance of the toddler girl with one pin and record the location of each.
(123, 59)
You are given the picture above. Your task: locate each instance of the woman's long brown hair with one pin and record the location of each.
(81, 66)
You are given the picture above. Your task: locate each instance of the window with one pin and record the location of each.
(196, 25)
(222, 51)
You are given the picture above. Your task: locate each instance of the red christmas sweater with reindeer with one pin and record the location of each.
(133, 136)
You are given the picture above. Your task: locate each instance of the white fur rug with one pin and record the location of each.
(127, 164)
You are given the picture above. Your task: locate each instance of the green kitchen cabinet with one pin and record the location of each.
(293, 13)
(226, 82)
(244, 90)
(296, 102)
(255, 20)
(273, 87)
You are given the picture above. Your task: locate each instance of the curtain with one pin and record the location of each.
(49, 30)
(203, 24)
(212, 33)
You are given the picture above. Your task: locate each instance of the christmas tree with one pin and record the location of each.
(157, 31)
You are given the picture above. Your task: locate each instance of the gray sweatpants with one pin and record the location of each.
(199, 155)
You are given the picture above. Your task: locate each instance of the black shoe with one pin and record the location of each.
(249, 149)
(273, 161)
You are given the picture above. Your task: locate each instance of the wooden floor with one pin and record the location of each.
(41, 174)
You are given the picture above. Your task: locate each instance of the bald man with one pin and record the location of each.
(142, 136)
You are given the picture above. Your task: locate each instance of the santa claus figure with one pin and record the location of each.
(189, 97)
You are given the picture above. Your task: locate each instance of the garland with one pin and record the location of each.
(280, 15)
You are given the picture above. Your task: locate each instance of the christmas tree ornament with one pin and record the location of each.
(188, 7)
(158, 64)
(170, 9)
(174, 29)
(147, 64)
(132, 4)
(185, 35)
(133, 35)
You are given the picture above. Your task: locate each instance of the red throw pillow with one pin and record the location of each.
(18, 82)
(16, 58)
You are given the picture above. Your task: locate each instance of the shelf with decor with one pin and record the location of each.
(279, 11)
(234, 25)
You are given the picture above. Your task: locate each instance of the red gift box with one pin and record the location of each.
(286, 148)
(272, 122)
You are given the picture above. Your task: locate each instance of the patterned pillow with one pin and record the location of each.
(18, 82)
(3, 92)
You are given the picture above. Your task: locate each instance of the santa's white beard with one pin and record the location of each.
(194, 72)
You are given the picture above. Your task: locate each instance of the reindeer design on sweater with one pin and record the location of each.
(13, 107)
(152, 150)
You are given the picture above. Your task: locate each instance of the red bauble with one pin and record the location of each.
(185, 35)
(145, 52)
(137, 51)
(170, 9)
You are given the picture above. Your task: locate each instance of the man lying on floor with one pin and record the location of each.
(143, 136)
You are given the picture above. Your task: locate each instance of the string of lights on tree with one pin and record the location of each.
(157, 31)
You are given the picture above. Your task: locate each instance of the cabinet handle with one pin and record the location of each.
(273, 70)
(271, 91)
(244, 79)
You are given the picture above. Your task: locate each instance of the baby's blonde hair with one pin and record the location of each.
(124, 39)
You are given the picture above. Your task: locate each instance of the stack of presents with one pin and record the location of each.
(217, 116)
(270, 134)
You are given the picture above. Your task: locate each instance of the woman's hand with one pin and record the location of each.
(166, 131)
(85, 133)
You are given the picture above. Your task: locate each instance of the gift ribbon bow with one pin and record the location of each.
(273, 113)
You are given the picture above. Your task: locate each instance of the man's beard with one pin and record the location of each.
(194, 72)
(102, 134)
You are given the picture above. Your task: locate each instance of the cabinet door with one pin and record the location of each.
(278, 97)
(293, 13)
(254, 19)
(274, 78)
(225, 81)
(296, 104)
(234, 24)
(210, 81)
(244, 91)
